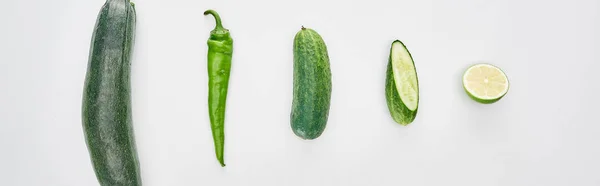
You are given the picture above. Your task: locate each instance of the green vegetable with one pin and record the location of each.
(220, 49)
(106, 111)
(402, 85)
(312, 85)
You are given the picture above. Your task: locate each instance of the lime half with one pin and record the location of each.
(485, 83)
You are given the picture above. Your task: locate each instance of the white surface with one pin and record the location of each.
(545, 132)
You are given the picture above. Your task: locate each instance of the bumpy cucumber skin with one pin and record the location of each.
(312, 85)
(400, 113)
(106, 111)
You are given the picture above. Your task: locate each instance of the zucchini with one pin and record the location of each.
(312, 85)
(402, 85)
(106, 111)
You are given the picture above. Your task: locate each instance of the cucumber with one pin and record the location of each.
(106, 111)
(312, 85)
(402, 85)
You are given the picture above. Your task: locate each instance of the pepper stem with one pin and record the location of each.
(217, 18)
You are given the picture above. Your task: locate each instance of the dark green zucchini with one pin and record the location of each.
(312, 85)
(106, 111)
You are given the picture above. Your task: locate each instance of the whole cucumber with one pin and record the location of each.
(106, 111)
(312, 85)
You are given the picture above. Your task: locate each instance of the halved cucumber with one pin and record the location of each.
(402, 85)
(485, 83)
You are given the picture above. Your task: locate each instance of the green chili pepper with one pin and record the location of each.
(220, 49)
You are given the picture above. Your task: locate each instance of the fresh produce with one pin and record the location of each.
(106, 111)
(485, 83)
(220, 49)
(402, 85)
(312, 85)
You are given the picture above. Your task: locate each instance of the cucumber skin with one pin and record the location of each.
(106, 111)
(399, 112)
(312, 85)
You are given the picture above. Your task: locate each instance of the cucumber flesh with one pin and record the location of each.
(405, 75)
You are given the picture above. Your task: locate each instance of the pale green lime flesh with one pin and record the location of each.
(485, 83)
(405, 76)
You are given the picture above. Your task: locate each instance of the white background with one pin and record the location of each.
(545, 132)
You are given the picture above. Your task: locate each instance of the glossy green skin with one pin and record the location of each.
(106, 111)
(399, 112)
(220, 50)
(312, 85)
